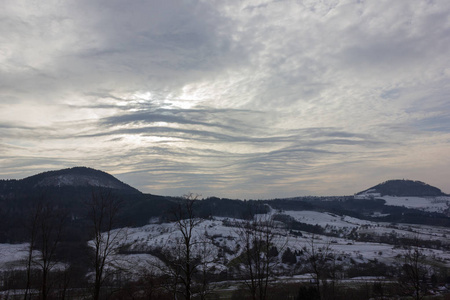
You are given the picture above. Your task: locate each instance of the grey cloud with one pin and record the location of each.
(13, 126)
(382, 54)
(209, 130)
(106, 45)
(21, 167)
(437, 123)
(415, 39)
(163, 37)
(279, 93)
(151, 117)
(390, 94)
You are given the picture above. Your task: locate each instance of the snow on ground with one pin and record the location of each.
(135, 265)
(430, 233)
(357, 250)
(411, 231)
(142, 240)
(221, 236)
(323, 219)
(167, 234)
(222, 239)
(13, 256)
(431, 204)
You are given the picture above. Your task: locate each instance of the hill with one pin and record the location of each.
(72, 177)
(403, 188)
(71, 190)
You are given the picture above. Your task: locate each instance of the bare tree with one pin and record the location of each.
(104, 210)
(207, 257)
(414, 270)
(46, 227)
(51, 226)
(171, 268)
(257, 239)
(321, 264)
(186, 223)
(188, 255)
(32, 228)
(152, 285)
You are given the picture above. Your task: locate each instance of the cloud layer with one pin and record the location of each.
(248, 99)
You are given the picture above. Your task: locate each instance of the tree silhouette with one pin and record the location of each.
(104, 210)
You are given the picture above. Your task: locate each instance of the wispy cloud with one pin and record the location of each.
(230, 98)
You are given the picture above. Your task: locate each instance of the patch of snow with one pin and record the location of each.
(324, 219)
(13, 256)
(430, 204)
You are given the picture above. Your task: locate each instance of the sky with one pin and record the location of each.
(246, 99)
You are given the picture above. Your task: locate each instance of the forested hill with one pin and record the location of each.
(73, 177)
(402, 188)
(73, 189)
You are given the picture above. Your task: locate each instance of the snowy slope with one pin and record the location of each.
(439, 204)
(223, 242)
(324, 219)
(13, 256)
(137, 248)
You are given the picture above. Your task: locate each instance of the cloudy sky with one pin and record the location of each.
(235, 98)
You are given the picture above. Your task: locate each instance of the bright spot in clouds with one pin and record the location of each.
(240, 99)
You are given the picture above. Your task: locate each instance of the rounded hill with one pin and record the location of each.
(402, 188)
(77, 177)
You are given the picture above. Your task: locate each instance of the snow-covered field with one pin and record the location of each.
(13, 256)
(439, 204)
(222, 239)
(431, 204)
(324, 219)
(220, 235)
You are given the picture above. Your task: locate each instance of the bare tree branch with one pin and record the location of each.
(260, 247)
(104, 210)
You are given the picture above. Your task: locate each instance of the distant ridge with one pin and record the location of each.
(73, 177)
(402, 188)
